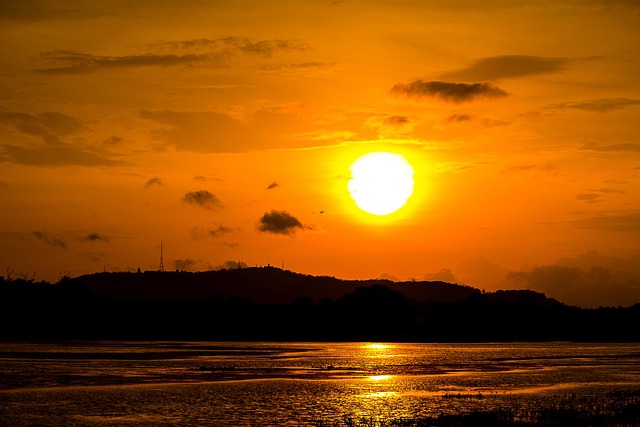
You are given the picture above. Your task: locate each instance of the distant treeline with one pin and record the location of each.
(269, 304)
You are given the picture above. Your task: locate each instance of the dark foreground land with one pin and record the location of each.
(269, 304)
(614, 409)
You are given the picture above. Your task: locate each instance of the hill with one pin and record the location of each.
(263, 285)
(269, 304)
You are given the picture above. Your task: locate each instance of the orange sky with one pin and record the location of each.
(123, 124)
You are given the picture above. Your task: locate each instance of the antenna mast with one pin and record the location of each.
(161, 259)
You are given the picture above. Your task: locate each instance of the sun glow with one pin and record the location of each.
(381, 182)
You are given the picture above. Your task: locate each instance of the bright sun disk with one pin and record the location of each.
(381, 182)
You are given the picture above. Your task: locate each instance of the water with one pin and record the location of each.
(297, 384)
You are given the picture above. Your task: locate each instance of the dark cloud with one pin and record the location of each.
(626, 222)
(523, 167)
(507, 66)
(202, 198)
(230, 265)
(77, 62)
(114, 140)
(279, 222)
(50, 127)
(444, 275)
(201, 131)
(187, 53)
(95, 237)
(632, 147)
(220, 231)
(608, 191)
(273, 185)
(43, 123)
(93, 256)
(154, 181)
(589, 197)
(460, 117)
(185, 264)
(588, 280)
(602, 105)
(49, 240)
(447, 91)
(396, 120)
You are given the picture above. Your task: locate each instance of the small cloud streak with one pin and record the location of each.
(273, 185)
(220, 231)
(95, 237)
(447, 91)
(589, 197)
(631, 147)
(279, 222)
(626, 222)
(155, 181)
(602, 105)
(202, 198)
(444, 275)
(508, 66)
(184, 264)
(49, 240)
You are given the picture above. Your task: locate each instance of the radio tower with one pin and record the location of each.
(161, 260)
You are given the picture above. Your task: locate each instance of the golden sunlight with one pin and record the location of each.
(381, 182)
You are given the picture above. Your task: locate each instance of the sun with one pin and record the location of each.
(381, 182)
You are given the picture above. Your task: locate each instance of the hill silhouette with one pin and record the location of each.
(259, 284)
(269, 304)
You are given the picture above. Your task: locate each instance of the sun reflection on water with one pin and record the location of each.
(379, 377)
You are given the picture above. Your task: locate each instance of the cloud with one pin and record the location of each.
(154, 181)
(50, 127)
(447, 91)
(588, 280)
(95, 237)
(631, 147)
(388, 276)
(49, 240)
(459, 117)
(218, 52)
(626, 222)
(602, 105)
(77, 62)
(279, 222)
(524, 167)
(220, 231)
(507, 66)
(273, 185)
(589, 197)
(202, 131)
(230, 265)
(396, 120)
(202, 198)
(185, 264)
(444, 275)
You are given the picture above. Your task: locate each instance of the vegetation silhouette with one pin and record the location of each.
(270, 304)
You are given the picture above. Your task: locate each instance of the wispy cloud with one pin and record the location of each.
(273, 185)
(448, 91)
(279, 222)
(202, 198)
(632, 147)
(601, 105)
(50, 128)
(155, 181)
(49, 239)
(95, 237)
(217, 232)
(623, 222)
(182, 53)
(507, 66)
(185, 264)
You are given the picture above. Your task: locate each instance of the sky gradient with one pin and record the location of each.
(225, 129)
